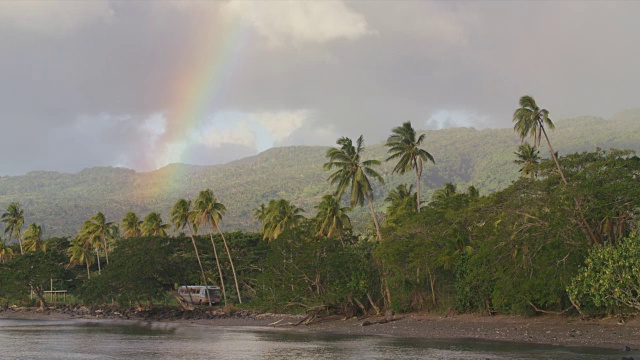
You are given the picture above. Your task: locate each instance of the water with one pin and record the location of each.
(81, 339)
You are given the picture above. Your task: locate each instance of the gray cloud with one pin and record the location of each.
(79, 84)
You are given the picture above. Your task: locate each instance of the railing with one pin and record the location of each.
(53, 295)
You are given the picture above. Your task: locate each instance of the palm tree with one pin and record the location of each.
(447, 191)
(113, 234)
(131, 225)
(404, 145)
(332, 218)
(13, 220)
(402, 202)
(210, 211)
(181, 216)
(530, 121)
(353, 173)
(97, 229)
(89, 240)
(260, 212)
(152, 225)
(473, 192)
(528, 157)
(5, 251)
(80, 252)
(278, 216)
(33, 239)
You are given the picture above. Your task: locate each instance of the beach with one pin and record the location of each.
(610, 333)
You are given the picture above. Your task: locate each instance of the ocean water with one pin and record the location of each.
(85, 339)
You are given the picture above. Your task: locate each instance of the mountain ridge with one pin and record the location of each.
(464, 156)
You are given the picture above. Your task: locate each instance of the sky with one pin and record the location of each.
(142, 84)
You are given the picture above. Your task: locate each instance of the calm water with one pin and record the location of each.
(79, 339)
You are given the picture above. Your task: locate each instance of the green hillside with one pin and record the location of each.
(484, 158)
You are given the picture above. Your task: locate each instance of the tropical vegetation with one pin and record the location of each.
(562, 237)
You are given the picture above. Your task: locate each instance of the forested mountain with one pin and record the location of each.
(484, 158)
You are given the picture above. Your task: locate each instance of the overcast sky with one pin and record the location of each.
(144, 84)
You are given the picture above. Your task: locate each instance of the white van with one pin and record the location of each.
(197, 295)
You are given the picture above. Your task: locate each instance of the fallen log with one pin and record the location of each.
(552, 312)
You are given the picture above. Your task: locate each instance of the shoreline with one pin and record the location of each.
(544, 330)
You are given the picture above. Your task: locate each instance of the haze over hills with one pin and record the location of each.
(484, 158)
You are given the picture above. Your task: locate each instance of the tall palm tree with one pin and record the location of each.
(13, 220)
(80, 252)
(352, 172)
(332, 218)
(402, 202)
(88, 239)
(131, 225)
(33, 239)
(210, 211)
(530, 121)
(152, 225)
(404, 146)
(97, 228)
(527, 156)
(5, 251)
(181, 217)
(278, 216)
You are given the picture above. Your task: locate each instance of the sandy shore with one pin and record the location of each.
(553, 330)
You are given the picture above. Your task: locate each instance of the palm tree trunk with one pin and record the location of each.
(564, 179)
(87, 262)
(98, 258)
(195, 248)
(106, 250)
(418, 173)
(233, 269)
(375, 218)
(20, 242)
(215, 253)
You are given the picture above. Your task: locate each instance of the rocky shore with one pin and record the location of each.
(552, 330)
(156, 313)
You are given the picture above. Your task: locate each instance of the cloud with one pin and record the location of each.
(442, 119)
(105, 83)
(281, 124)
(54, 18)
(214, 135)
(297, 22)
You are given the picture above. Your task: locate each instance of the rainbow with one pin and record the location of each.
(212, 56)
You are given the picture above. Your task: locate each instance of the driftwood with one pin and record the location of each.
(381, 321)
(312, 314)
(296, 304)
(389, 316)
(552, 312)
(183, 303)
